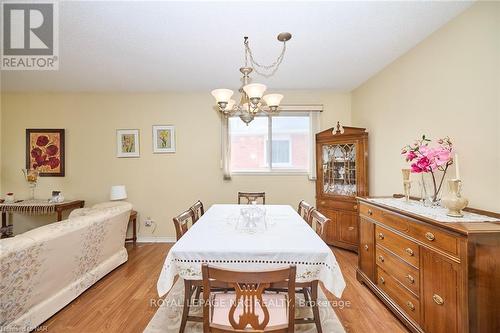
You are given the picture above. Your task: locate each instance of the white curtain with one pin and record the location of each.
(314, 126)
(225, 149)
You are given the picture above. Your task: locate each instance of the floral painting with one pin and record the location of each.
(163, 139)
(127, 143)
(45, 151)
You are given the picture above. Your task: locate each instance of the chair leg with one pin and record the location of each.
(185, 309)
(197, 294)
(307, 299)
(315, 308)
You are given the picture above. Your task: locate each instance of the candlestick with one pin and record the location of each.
(457, 169)
(406, 183)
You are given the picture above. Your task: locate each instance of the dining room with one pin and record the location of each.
(250, 166)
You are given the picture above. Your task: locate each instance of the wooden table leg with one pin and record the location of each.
(315, 308)
(5, 230)
(59, 215)
(185, 309)
(134, 231)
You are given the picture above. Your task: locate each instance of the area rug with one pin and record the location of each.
(167, 318)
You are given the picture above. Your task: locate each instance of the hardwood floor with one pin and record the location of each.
(366, 312)
(121, 301)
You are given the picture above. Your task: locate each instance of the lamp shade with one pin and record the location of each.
(273, 99)
(255, 90)
(118, 192)
(222, 95)
(230, 104)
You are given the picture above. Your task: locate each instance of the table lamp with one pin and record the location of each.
(118, 192)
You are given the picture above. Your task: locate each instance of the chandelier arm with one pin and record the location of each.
(274, 66)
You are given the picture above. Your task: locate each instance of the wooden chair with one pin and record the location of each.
(183, 222)
(252, 196)
(304, 210)
(248, 308)
(198, 210)
(318, 222)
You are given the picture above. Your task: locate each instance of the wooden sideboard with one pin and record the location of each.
(434, 276)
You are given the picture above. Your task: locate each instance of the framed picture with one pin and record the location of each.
(127, 143)
(163, 139)
(45, 151)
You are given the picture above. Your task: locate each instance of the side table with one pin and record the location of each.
(133, 219)
(6, 229)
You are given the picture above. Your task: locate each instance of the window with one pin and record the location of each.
(270, 144)
(282, 150)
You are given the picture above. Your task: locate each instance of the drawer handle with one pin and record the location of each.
(380, 235)
(370, 212)
(409, 251)
(322, 202)
(350, 228)
(355, 207)
(382, 280)
(410, 306)
(430, 236)
(381, 258)
(366, 247)
(438, 299)
(410, 278)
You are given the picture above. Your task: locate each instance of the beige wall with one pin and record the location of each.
(159, 185)
(447, 85)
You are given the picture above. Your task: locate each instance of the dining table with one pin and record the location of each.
(222, 238)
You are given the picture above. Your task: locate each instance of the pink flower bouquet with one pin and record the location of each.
(424, 158)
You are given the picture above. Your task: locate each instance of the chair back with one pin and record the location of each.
(304, 210)
(249, 288)
(198, 210)
(318, 222)
(183, 222)
(251, 196)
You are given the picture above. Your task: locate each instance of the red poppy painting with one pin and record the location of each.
(45, 151)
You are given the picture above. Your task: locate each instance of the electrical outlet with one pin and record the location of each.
(148, 222)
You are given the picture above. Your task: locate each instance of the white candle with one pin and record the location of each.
(457, 169)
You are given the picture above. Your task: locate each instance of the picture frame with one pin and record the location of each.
(45, 151)
(127, 143)
(163, 139)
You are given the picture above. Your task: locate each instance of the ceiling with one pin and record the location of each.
(197, 46)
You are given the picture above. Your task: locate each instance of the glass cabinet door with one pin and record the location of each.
(339, 169)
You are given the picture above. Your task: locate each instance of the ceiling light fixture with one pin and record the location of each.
(252, 99)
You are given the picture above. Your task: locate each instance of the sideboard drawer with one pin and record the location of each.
(388, 218)
(434, 237)
(406, 300)
(406, 274)
(371, 212)
(402, 247)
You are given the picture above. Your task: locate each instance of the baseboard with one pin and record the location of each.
(155, 239)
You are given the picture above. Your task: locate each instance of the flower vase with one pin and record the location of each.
(31, 177)
(454, 200)
(430, 195)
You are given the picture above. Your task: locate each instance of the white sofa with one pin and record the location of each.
(44, 269)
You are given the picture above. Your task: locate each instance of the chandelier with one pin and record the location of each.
(252, 100)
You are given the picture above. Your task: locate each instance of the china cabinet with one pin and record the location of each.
(341, 165)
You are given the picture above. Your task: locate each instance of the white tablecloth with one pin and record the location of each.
(288, 240)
